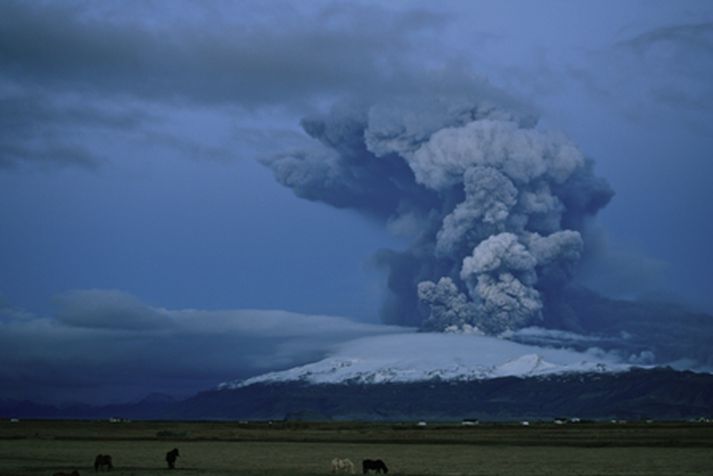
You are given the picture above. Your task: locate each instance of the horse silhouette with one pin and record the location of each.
(374, 464)
(103, 460)
(171, 458)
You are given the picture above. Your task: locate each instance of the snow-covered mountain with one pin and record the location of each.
(415, 357)
(435, 376)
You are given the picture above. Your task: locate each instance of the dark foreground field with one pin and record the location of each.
(138, 448)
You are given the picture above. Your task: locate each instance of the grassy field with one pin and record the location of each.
(209, 448)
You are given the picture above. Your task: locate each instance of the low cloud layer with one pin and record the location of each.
(105, 346)
(108, 346)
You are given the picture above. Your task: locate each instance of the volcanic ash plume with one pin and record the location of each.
(494, 205)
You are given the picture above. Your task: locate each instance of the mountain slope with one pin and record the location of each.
(660, 393)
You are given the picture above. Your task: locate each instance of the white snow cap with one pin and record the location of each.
(440, 356)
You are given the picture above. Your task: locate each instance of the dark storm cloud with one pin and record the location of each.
(281, 58)
(695, 36)
(660, 73)
(107, 345)
(52, 153)
(21, 112)
(290, 58)
(40, 128)
(680, 59)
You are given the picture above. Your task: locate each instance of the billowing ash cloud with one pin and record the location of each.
(493, 203)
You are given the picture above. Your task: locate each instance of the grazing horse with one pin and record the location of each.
(171, 458)
(375, 464)
(342, 464)
(103, 460)
(61, 473)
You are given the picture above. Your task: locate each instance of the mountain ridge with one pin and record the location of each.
(661, 393)
(637, 394)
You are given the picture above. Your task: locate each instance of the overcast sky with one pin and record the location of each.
(131, 186)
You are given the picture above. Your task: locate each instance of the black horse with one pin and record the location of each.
(101, 461)
(374, 464)
(171, 458)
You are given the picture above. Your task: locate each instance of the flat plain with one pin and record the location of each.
(299, 448)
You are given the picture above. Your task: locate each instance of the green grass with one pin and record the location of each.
(41, 448)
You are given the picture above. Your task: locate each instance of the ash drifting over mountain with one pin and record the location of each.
(493, 204)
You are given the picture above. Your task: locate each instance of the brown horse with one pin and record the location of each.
(374, 464)
(103, 460)
(61, 473)
(171, 458)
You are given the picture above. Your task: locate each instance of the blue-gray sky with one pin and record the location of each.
(131, 136)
